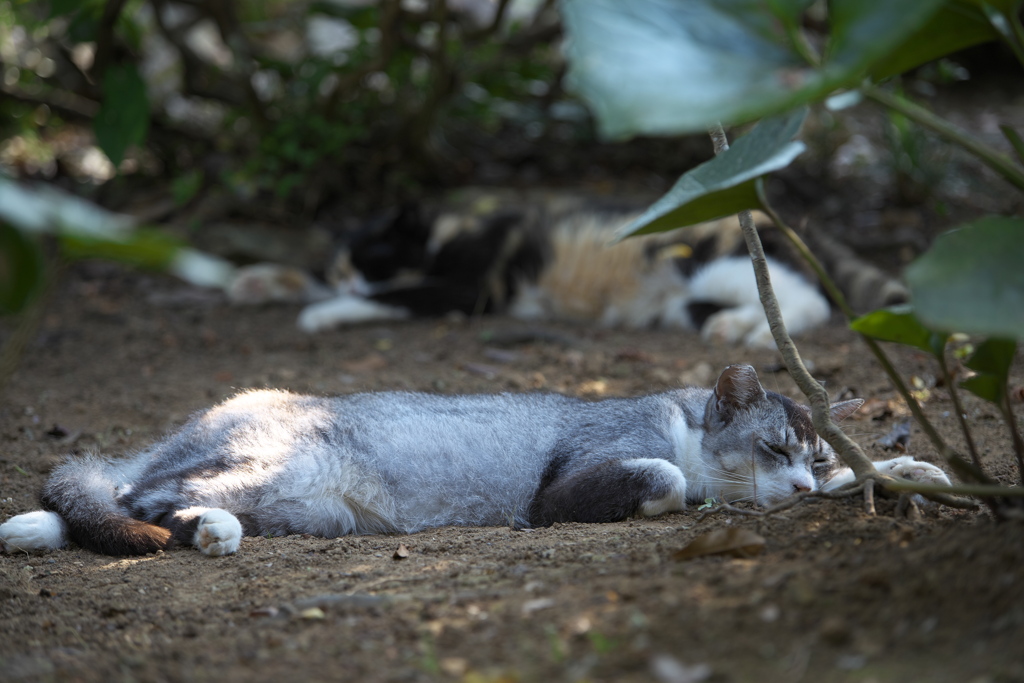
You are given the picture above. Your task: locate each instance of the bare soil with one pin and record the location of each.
(837, 595)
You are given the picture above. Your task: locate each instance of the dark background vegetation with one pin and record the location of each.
(310, 113)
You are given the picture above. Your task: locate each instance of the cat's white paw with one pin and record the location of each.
(731, 325)
(662, 475)
(345, 310)
(905, 467)
(760, 337)
(33, 531)
(219, 533)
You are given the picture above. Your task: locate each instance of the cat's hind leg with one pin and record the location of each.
(610, 492)
(33, 531)
(214, 531)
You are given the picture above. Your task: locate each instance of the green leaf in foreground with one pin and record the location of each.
(143, 248)
(664, 67)
(898, 324)
(725, 184)
(992, 362)
(972, 279)
(123, 118)
(955, 26)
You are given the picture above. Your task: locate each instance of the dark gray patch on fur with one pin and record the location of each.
(608, 492)
(797, 417)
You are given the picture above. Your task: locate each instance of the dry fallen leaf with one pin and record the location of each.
(733, 542)
(873, 409)
(401, 553)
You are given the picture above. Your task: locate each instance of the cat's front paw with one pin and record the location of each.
(905, 467)
(731, 325)
(218, 533)
(33, 531)
(760, 338)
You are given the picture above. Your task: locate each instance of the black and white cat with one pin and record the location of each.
(272, 462)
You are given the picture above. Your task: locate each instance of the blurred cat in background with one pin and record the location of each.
(547, 256)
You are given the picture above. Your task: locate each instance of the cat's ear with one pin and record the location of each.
(738, 387)
(844, 409)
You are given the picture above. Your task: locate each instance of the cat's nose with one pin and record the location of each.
(800, 488)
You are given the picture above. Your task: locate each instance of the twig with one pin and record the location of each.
(960, 414)
(847, 448)
(792, 501)
(869, 496)
(1018, 442)
(906, 507)
(391, 14)
(105, 38)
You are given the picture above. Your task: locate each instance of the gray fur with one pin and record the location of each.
(282, 463)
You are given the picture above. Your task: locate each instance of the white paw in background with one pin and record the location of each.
(345, 310)
(219, 533)
(32, 531)
(905, 467)
(760, 338)
(731, 325)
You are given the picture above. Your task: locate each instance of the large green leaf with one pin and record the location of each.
(898, 324)
(955, 26)
(972, 279)
(992, 362)
(726, 184)
(123, 118)
(676, 66)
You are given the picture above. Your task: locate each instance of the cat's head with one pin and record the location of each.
(762, 445)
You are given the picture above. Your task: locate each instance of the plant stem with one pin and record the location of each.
(961, 416)
(997, 161)
(980, 490)
(847, 448)
(1018, 442)
(963, 469)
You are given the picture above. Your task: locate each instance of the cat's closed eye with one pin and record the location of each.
(779, 451)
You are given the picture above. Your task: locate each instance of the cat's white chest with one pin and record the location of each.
(687, 442)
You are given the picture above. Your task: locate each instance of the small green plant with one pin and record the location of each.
(708, 504)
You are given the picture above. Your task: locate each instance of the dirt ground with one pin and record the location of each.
(836, 595)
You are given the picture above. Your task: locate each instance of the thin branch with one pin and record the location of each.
(963, 469)
(994, 159)
(226, 18)
(869, 496)
(65, 102)
(1018, 442)
(848, 450)
(489, 30)
(791, 502)
(105, 38)
(958, 406)
(391, 14)
(195, 71)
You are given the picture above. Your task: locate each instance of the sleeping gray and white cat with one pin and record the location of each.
(273, 462)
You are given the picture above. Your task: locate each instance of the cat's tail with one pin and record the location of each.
(83, 492)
